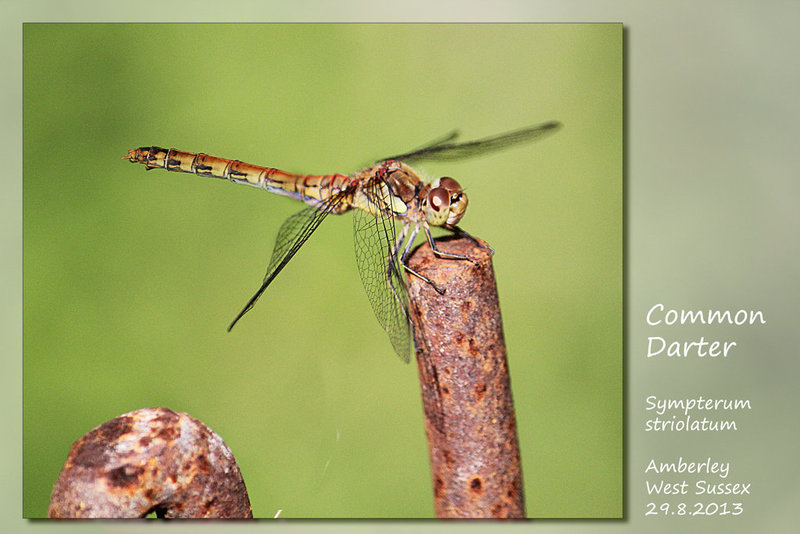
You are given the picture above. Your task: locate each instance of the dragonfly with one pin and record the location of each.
(382, 196)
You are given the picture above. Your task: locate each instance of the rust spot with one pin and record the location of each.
(438, 487)
(445, 391)
(168, 433)
(466, 306)
(480, 391)
(149, 494)
(476, 485)
(124, 476)
(92, 449)
(173, 478)
(166, 417)
(497, 511)
(144, 441)
(90, 454)
(448, 457)
(116, 427)
(203, 464)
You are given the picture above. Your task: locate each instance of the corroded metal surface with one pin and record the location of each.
(151, 460)
(466, 391)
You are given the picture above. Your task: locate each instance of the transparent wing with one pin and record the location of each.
(442, 150)
(293, 233)
(377, 244)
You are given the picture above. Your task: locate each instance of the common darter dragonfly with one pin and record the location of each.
(380, 195)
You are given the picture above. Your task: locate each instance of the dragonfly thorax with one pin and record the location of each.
(390, 188)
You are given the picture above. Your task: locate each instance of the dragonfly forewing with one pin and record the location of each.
(293, 233)
(442, 150)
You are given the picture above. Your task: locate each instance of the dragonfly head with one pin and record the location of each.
(445, 203)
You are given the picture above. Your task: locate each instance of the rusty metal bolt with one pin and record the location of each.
(466, 387)
(150, 460)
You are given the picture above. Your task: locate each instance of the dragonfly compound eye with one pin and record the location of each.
(457, 199)
(449, 184)
(437, 207)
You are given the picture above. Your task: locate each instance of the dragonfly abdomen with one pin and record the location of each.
(311, 189)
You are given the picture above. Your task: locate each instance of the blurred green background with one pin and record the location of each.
(131, 277)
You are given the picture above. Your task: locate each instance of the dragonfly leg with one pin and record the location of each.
(424, 279)
(395, 254)
(391, 270)
(409, 269)
(446, 254)
(479, 242)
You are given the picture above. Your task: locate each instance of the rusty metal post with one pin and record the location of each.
(151, 460)
(466, 390)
